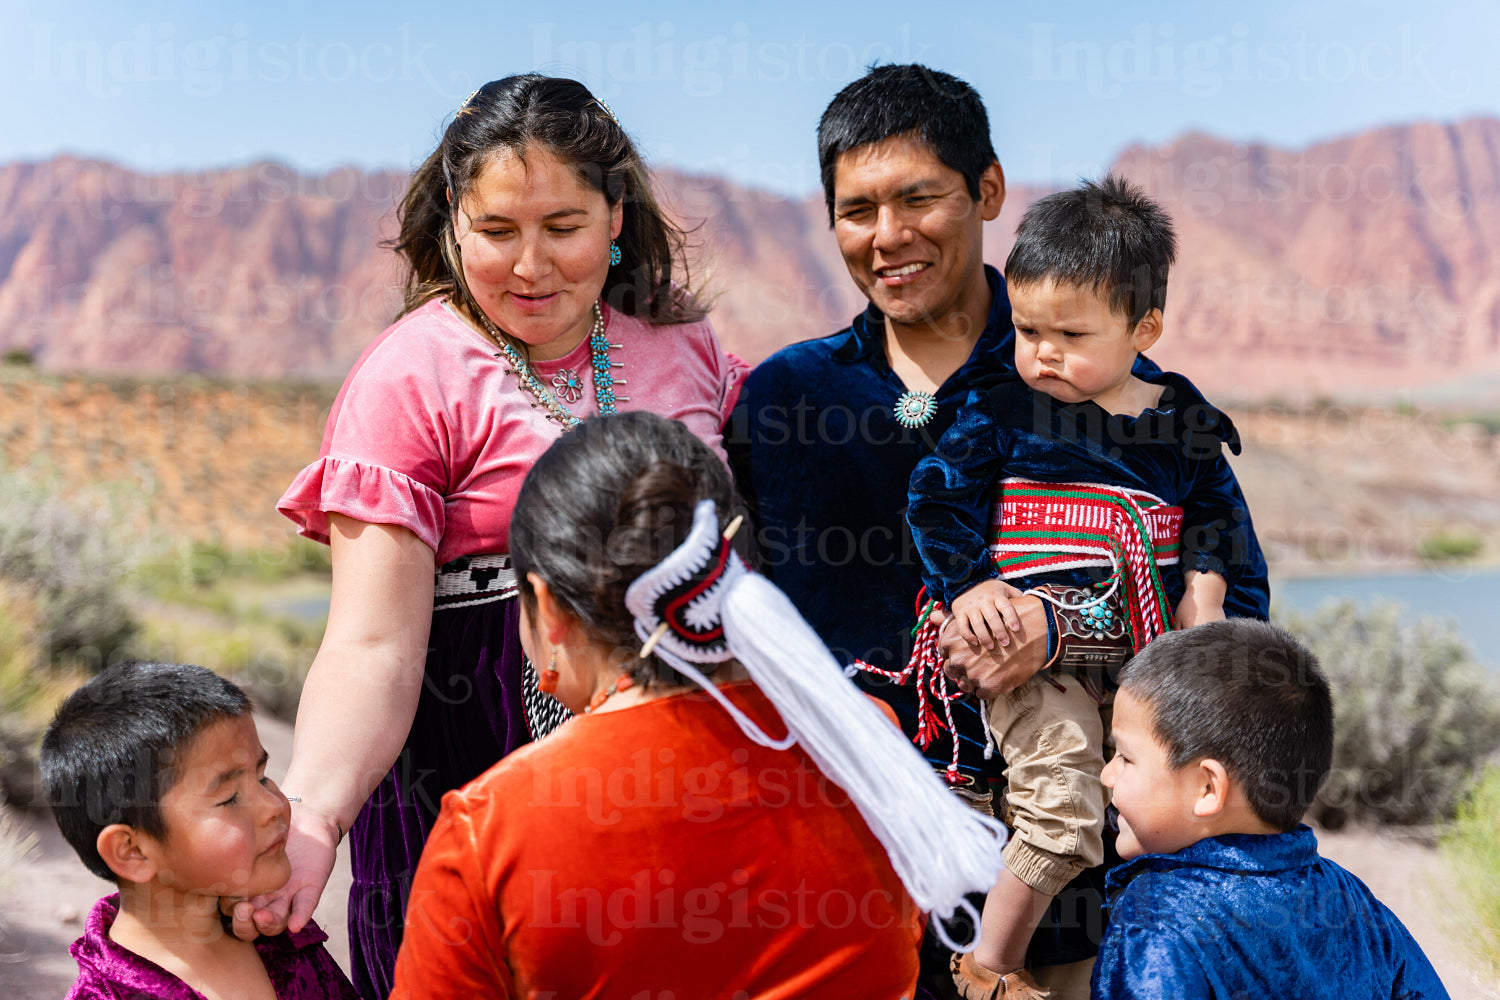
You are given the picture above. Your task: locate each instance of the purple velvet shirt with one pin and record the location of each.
(299, 966)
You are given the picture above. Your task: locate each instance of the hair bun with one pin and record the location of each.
(685, 592)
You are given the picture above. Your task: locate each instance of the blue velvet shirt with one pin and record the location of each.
(1174, 451)
(819, 456)
(1253, 916)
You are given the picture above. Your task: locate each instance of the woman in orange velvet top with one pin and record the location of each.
(763, 833)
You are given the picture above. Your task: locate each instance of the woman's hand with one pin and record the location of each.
(357, 706)
(311, 846)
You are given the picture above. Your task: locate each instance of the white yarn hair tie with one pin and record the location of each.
(940, 848)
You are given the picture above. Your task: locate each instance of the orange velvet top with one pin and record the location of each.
(652, 852)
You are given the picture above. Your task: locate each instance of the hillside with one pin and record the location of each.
(203, 460)
(1362, 267)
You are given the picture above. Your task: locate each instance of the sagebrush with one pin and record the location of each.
(65, 556)
(1416, 717)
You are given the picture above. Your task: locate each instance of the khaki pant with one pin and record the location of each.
(1067, 982)
(1053, 744)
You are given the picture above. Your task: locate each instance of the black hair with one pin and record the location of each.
(112, 750)
(1106, 236)
(609, 500)
(936, 109)
(529, 111)
(1248, 695)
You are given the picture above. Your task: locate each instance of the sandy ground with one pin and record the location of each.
(42, 910)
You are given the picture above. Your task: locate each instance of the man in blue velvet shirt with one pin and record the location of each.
(817, 444)
(827, 432)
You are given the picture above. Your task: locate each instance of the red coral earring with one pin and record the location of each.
(546, 680)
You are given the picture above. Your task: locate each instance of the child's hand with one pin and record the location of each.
(984, 615)
(1202, 599)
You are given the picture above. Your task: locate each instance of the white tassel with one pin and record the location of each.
(940, 848)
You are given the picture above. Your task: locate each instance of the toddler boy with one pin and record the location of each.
(156, 776)
(1104, 483)
(1223, 734)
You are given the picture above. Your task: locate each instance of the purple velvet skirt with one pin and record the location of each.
(470, 714)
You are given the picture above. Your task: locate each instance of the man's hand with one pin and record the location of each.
(992, 673)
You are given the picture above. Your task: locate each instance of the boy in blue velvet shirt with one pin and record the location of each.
(1223, 734)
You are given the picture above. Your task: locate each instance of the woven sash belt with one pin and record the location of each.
(1046, 527)
(477, 579)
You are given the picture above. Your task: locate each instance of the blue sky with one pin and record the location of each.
(731, 88)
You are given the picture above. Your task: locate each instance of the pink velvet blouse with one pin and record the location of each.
(430, 431)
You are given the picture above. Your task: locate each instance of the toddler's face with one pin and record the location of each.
(1071, 345)
(1155, 800)
(226, 821)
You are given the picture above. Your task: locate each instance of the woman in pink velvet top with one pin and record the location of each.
(540, 292)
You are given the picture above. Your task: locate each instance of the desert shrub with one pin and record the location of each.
(1450, 546)
(18, 356)
(16, 845)
(1471, 848)
(187, 570)
(1416, 717)
(66, 558)
(28, 693)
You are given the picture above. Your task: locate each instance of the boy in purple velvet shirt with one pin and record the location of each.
(156, 776)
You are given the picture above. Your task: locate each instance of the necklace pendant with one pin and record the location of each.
(914, 408)
(568, 385)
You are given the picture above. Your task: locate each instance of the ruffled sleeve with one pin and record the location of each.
(392, 437)
(735, 371)
(364, 492)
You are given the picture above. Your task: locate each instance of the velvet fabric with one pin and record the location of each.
(1174, 451)
(298, 965)
(818, 454)
(1253, 916)
(433, 431)
(654, 850)
(469, 715)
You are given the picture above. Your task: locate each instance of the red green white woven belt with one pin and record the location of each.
(1043, 527)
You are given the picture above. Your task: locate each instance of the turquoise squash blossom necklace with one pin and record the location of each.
(566, 382)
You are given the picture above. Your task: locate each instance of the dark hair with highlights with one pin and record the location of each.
(938, 110)
(112, 750)
(1106, 236)
(608, 501)
(1248, 695)
(517, 114)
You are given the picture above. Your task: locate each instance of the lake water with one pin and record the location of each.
(1469, 598)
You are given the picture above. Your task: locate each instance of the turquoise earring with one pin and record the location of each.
(614, 253)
